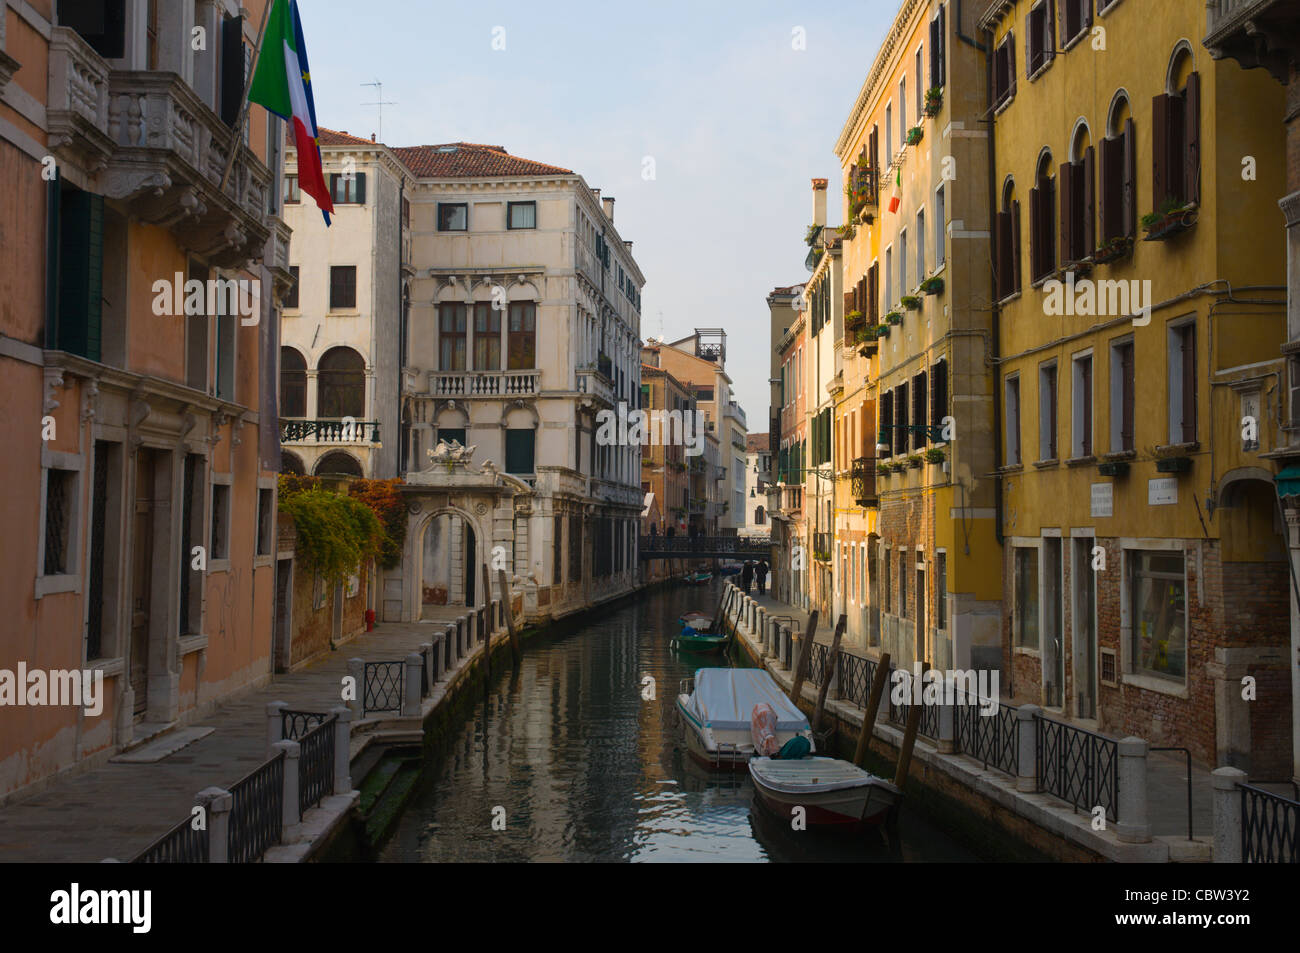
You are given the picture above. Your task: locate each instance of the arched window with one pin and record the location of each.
(338, 463)
(293, 383)
(759, 516)
(1117, 181)
(1042, 219)
(291, 463)
(1077, 178)
(1008, 239)
(342, 384)
(1176, 136)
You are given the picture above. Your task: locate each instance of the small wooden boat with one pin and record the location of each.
(831, 791)
(692, 639)
(697, 578)
(695, 619)
(716, 712)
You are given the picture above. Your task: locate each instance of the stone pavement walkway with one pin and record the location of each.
(119, 809)
(1166, 770)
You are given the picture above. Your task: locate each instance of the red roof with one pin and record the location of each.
(328, 137)
(470, 160)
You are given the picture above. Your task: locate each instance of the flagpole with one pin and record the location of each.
(243, 108)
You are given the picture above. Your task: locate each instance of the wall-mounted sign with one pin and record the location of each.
(1162, 492)
(1103, 495)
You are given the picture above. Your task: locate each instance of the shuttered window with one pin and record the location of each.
(1012, 412)
(520, 444)
(1047, 412)
(900, 418)
(1176, 146)
(1042, 232)
(1077, 208)
(80, 272)
(343, 287)
(938, 393)
(348, 189)
(1117, 176)
(919, 411)
(232, 69)
(938, 40)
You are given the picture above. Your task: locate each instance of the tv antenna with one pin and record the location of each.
(381, 103)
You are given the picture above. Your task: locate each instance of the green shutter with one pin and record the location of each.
(81, 273)
(361, 188)
(519, 450)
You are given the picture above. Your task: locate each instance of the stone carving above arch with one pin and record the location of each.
(520, 403)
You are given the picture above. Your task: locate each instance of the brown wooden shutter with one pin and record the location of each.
(1087, 406)
(1035, 234)
(1011, 62)
(1001, 86)
(1126, 396)
(1003, 273)
(1192, 139)
(938, 392)
(1128, 196)
(1160, 112)
(934, 53)
(873, 293)
(1089, 203)
(1087, 13)
(943, 45)
(1065, 185)
(1051, 31)
(1108, 189)
(1188, 335)
(1014, 244)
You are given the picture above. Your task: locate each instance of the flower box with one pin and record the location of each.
(1174, 464)
(914, 460)
(854, 320)
(910, 302)
(915, 135)
(933, 101)
(934, 455)
(1113, 250)
(894, 318)
(1113, 468)
(1168, 222)
(932, 286)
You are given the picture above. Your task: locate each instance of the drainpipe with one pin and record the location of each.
(969, 41)
(993, 293)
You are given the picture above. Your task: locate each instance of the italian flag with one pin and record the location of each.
(898, 192)
(282, 84)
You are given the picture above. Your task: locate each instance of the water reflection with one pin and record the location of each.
(587, 769)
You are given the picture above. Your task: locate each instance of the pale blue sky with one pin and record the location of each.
(737, 121)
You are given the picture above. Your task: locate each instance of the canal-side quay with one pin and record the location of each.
(1000, 800)
(269, 766)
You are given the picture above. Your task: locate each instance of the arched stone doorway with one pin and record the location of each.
(449, 563)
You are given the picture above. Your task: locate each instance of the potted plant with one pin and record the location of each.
(811, 235)
(854, 320)
(911, 302)
(914, 135)
(1113, 249)
(932, 286)
(882, 330)
(933, 101)
(898, 466)
(914, 460)
(1172, 460)
(1171, 218)
(935, 455)
(848, 231)
(894, 317)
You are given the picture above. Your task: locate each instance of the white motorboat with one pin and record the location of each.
(716, 712)
(830, 791)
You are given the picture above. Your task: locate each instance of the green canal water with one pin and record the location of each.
(579, 766)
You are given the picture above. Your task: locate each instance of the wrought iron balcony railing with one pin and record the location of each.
(329, 431)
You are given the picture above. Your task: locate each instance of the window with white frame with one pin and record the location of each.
(1011, 410)
(1121, 395)
(1182, 381)
(1081, 406)
(1047, 411)
(940, 227)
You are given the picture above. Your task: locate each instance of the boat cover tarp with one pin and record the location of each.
(725, 698)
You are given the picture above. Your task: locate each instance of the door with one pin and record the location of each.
(338, 612)
(283, 613)
(141, 575)
(471, 565)
(1085, 630)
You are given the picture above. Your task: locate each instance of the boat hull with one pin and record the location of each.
(864, 804)
(720, 749)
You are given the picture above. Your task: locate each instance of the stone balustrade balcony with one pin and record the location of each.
(524, 383)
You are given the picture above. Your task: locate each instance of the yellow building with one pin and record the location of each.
(1138, 323)
(914, 440)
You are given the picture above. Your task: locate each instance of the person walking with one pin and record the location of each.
(760, 574)
(746, 576)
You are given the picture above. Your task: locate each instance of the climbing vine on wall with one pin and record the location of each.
(336, 533)
(385, 499)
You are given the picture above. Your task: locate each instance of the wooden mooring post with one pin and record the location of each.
(510, 616)
(829, 672)
(873, 706)
(909, 737)
(805, 653)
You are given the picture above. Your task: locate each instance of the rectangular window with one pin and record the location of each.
(60, 494)
(523, 335)
(920, 87)
(80, 271)
(941, 591)
(920, 414)
(290, 192)
(521, 215)
(1041, 45)
(453, 217)
(190, 617)
(886, 582)
(451, 336)
(557, 551)
(901, 429)
(889, 134)
(291, 298)
(1004, 71)
(197, 325)
(520, 444)
(487, 337)
(1158, 603)
(1025, 621)
(343, 287)
(1081, 407)
(1121, 396)
(940, 228)
(938, 393)
(902, 585)
(1047, 412)
(226, 356)
(1012, 404)
(920, 245)
(902, 111)
(938, 29)
(1053, 640)
(903, 286)
(348, 189)
(220, 548)
(889, 280)
(1182, 383)
(265, 520)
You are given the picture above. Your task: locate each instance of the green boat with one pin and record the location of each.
(693, 640)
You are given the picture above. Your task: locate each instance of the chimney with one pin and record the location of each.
(609, 208)
(372, 137)
(819, 201)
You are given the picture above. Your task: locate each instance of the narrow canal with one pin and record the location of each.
(582, 767)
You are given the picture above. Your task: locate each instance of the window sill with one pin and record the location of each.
(1075, 40)
(1000, 107)
(342, 313)
(1103, 11)
(1119, 455)
(108, 667)
(1011, 468)
(1081, 461)
(263, 560)
(1042, 69)
(55, 585)
(189, 644)
(1023, 650)
(1047, 464)
(1177, 449)
(1156, 683)
(1002, 302)
(219, 565)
